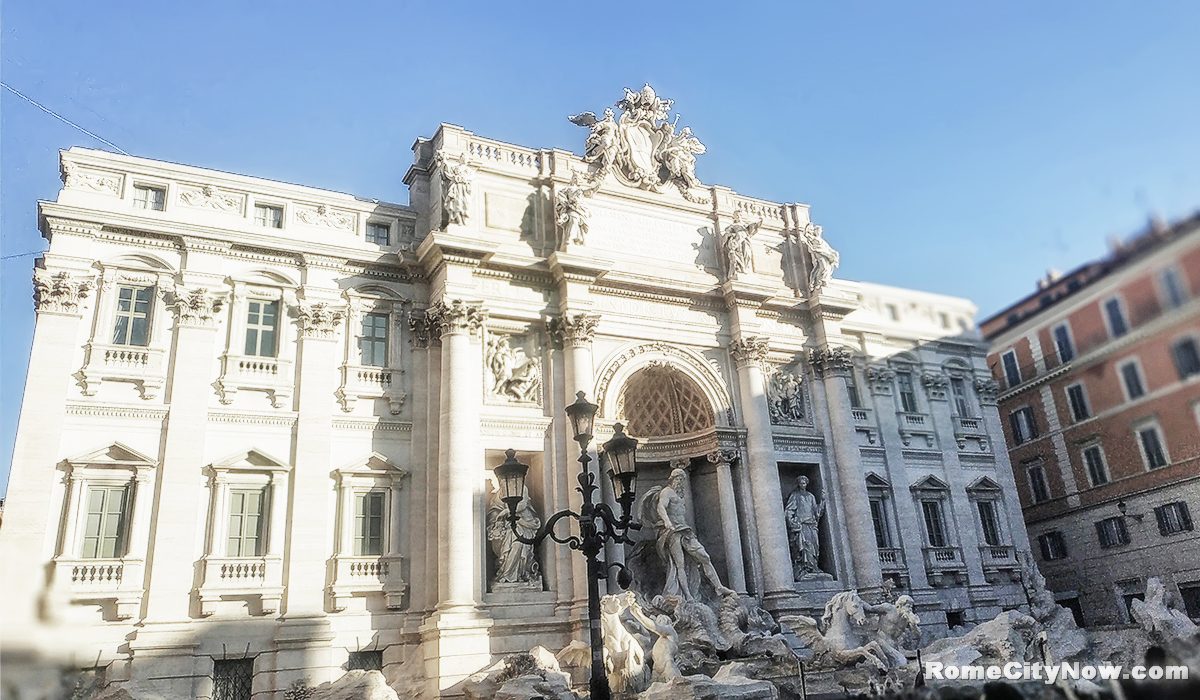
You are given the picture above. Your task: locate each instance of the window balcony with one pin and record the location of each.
(360, 575)
(892, 559)
(1000, 561)
(115, 583)
(968, 430)
(945, 566)
(143, 366)
(366, 382)
(268, 374)
(915, 427)
(235, 578)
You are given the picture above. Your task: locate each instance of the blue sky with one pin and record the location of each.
(959, 148)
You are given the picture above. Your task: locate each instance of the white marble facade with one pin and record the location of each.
(260, 419)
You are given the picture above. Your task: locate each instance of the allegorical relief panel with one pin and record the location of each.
(209, 197)
(786, 396)
(327, 217)
(512, 369)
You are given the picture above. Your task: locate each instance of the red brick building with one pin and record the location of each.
(1099, 375)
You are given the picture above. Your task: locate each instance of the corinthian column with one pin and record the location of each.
(749, 354)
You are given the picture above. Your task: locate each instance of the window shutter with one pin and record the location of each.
(1160, 514)
(1184, 517)
(1015, 425)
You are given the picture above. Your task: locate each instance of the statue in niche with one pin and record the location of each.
(514, 376)
(824, 258)
(665, 509)
(516, 562)
(785, 397)
(457, 179)
(739, 257)
(572, 212)
(802, 513)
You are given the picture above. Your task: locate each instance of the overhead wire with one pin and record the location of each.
(59, 117)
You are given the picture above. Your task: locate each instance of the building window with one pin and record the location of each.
(365, 661)
(245, 523)
(1052, 545)
(1173, 290)
(132, 325)
(962, 405)
(852, 389)
(1131, 377)
(1062, 342)
(373, 342)
(1037, 483)
(1078, 402)
(883, 533)
(1152, 447)
(368, 523)
(232, 679)
(1186, 357)
(1024, 428)
(1012, 373)
(935, 527)
(271, 217)
(989, 523)
(262, 325)
(1116, 318)
(379, 234)
(1172, 518)
(1112, 532)
(908, 399)
(104, 530)
(1093, 458)
(145, 197)
(1190, 592)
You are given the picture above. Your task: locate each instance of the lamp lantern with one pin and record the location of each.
(582, 413)
(511, 478)
(621, 454)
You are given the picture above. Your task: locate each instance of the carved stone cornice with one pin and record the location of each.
(322, 261)
(457, 317)
(206, 245)
(935, 384)
(570, 331)
(880, 379)
(833, 362)
(319, 320)
(196, 306)
(751, 350)
(987, 389)
(58, 225)
(58, 292)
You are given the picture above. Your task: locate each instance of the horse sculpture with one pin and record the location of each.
(845, 641)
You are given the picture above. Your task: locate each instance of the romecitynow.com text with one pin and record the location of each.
(1016, 671)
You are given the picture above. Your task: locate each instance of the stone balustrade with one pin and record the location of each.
(228, 578)
(360, 575)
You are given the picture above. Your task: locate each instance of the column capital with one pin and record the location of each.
(987, 390)
(573, 330)
(880, 378)
(751, 350)
(423, 329)
(197, 306)
(318, 321)
(59, 292)
(457, 316)
(935, 384)
(833, 362)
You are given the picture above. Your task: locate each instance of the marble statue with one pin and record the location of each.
(662, 655)
(624, 658)
(802, 513)
(895, 625)
(824, 258)
(516, 562)
(641, 147)
(739, 257)
(1158, 615)
(513, 375)
(677, 543)
(572, 212)
(785, 397)
(457, 180)
(846, 641)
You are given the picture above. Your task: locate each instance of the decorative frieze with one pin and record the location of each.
(58, 292)
(209, 197)
(75, 178)
(831, 361)
(935, 384)
(322, 215)
(319, 320)
(197, 306)
(750, 350)
(458, 316)
(575, 330)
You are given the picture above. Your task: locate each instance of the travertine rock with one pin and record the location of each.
(727, 684)
(1158, 618)
(1007, 637)
(355, 685)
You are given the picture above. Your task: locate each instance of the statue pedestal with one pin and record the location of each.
(814, 576)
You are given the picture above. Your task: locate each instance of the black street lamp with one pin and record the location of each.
(597, 522)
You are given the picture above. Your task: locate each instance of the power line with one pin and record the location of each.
(61, 118)
(22, 255)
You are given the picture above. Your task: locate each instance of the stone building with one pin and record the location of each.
(260, 422)
(1099, 373)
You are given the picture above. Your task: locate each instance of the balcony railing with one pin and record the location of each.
(226, 577)
(115, 581)
(892, 559)
(143, 366)
(970, 426)
(269, 374)
(943, 558)
(910, 420)
(358, 575)
(862, 416)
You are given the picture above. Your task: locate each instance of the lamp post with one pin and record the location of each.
(597, 522)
